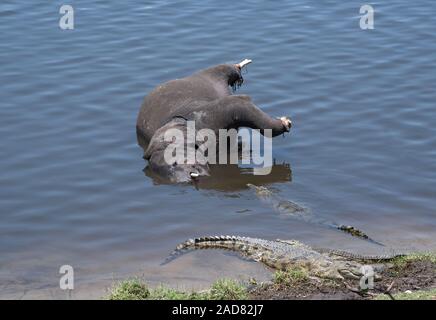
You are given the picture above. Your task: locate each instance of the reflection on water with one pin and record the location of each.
(230, 178)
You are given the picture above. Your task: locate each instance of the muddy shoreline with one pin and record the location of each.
(407, 277)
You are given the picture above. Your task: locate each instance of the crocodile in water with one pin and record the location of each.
(301, 213)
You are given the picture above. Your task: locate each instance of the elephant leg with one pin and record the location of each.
(238, 111)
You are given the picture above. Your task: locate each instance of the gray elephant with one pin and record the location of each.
(206, 98)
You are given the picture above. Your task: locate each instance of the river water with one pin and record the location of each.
(73, 189)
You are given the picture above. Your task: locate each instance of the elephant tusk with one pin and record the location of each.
(243, 63)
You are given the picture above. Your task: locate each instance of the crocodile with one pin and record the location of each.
(285, 254)
(302, 213)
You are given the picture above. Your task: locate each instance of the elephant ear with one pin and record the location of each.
(154, 144)
(157, 141)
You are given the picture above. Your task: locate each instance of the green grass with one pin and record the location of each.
(136, 289)
(400, 262)
(166, 293)
(414, 295)
(133, 289)
(227, 289)
(291, 276)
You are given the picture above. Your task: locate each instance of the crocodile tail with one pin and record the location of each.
(180, 250)
(233, 243)
(363, 257)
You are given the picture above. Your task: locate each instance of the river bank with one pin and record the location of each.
(410, 277)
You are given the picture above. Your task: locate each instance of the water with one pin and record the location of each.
(73, 191)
